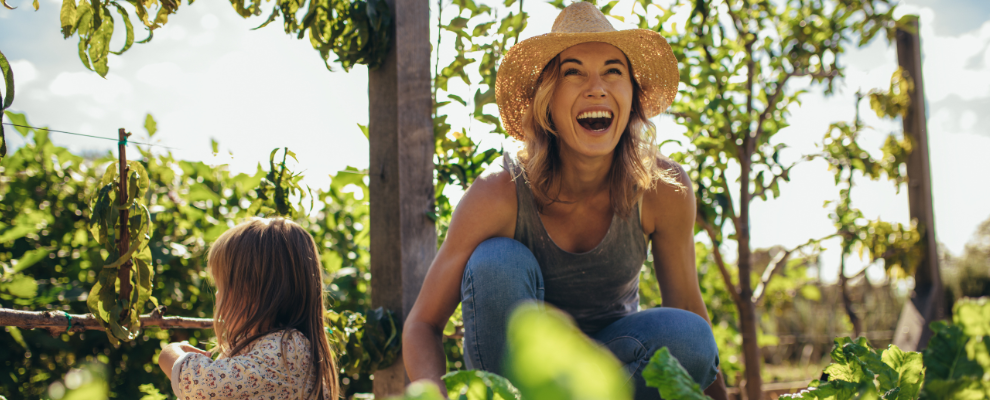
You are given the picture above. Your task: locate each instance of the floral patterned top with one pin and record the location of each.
(276, 366)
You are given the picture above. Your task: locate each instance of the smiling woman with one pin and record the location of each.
(568, 220)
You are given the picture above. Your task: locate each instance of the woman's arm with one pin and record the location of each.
(487, 210)
(670, 212)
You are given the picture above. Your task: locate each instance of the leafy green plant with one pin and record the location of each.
(954, 366)
(859, 371)
(479, 385)
(666, 374)
(957, 357)
(129, 269)
(276, 189)
(365, 342)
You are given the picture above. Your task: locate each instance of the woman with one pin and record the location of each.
(567, 221)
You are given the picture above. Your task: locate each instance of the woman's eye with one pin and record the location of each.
(571, 71)
(614, 71)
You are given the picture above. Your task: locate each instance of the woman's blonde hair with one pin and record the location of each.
(270, 278)
(634, 165)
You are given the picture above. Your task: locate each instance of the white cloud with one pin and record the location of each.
(203, 39)
(210, 21)
(160, 75)
(24, 72)
(89, 83)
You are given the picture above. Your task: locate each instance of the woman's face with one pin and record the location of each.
(591, 103)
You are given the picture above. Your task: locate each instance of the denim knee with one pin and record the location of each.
(695, 348)
(500, 274)
(500, 261)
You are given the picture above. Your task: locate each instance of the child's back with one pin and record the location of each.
(268, 318)
(277, 365)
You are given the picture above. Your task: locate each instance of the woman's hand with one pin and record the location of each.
(172, 352)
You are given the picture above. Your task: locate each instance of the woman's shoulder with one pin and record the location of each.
(489, 205)
(671, 197)
(494, 187)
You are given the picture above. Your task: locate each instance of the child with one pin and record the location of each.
(268, 320)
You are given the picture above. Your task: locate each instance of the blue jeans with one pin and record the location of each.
(503, 272)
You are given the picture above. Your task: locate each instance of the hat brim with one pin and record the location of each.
(650, 56)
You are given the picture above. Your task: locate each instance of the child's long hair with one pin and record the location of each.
(270, 279)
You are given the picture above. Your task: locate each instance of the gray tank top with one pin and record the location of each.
(596, 287)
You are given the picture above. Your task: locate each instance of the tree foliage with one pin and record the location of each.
(355, 31)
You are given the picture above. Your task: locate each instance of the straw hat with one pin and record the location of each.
(653, 63)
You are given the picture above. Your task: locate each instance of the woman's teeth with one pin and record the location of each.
(595, 114)
(595, 120)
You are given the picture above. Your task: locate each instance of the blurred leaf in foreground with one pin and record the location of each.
(665, 373)
(550, 359)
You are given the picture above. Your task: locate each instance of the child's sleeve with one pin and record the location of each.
(270, 368)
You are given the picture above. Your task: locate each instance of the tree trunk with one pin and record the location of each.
(847, 300)
(747, 310)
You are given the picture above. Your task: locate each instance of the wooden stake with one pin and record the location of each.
(403, 238)
(124, 272)
(926, 303)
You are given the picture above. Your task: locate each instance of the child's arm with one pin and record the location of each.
(173, 352)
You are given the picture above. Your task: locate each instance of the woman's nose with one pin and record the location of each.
(596, 88)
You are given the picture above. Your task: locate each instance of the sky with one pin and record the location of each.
(206, 75)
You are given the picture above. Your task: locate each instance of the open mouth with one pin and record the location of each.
(595, 121)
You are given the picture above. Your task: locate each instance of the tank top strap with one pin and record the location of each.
(527, 214)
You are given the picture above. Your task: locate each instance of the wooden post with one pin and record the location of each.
(926, 303)
(400, 130)
(123, 243)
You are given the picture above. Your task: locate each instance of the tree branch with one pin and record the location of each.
(56, 322)
(780, 259)
(726, 277)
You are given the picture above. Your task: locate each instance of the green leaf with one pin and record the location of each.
(68, 18)
(364, 130)
(479, 385)
(151, 392)
(665, 373)
(15, 333)
(84, 26)
(150, 125)
(457, 98)
(973, 316)
(4, 2)
(421, 391)
(836, 390)
(8, 78)
(18, 119)
(945, 356)
(19, 285)
(31, 257)
(129, 39)
(910, 370)
(549, 358)
(99, 43)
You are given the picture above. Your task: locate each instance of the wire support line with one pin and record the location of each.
(89, 136)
